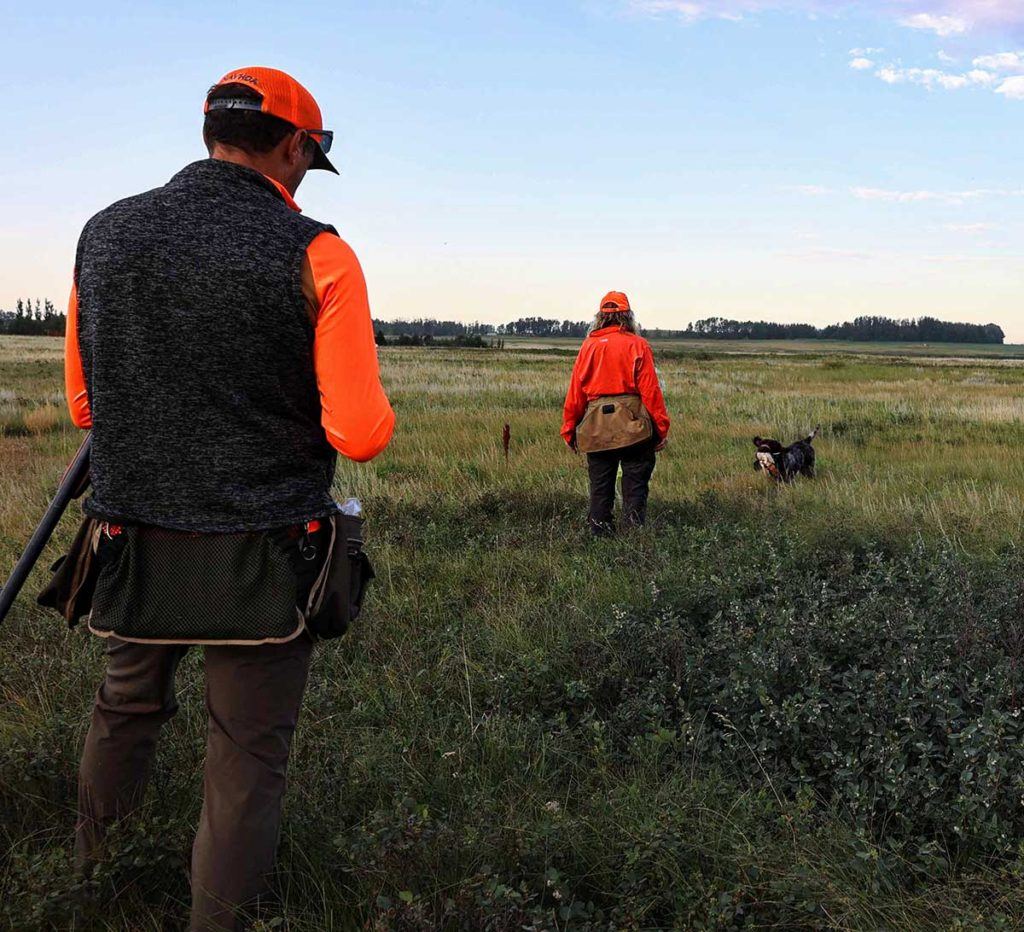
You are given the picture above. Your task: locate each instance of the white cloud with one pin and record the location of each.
(1001, 61)
(932, 78)
(942, 17)
(969, 229)
(996, 72)
(811, 190)
(685, 10)
(982, 78)
(1012, 88)
(899, 197)
(945, 58)
(1003, 72)
(947, 258)
(827, 254)
(690, 11)
(980, 13)
(830, 253)
(941, 25)
(951, 82)
(954, 198)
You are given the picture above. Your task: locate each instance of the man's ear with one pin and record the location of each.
(296, 146)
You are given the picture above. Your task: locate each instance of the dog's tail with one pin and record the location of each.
(814, 433)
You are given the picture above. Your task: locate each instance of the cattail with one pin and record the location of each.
(506, 438)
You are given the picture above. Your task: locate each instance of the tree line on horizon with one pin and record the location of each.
(866, 329)
(41, 318)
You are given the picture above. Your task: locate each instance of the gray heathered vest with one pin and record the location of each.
(197, 351)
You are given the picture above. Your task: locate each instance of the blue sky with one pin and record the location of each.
(780, 159)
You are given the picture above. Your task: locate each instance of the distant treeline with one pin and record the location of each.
(28, 319)
(525, 327)
(863, 329)
(41, 318)
(474, 340)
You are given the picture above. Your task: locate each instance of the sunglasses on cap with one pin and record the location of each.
(324, 138)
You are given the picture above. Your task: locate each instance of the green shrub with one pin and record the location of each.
(888, 685)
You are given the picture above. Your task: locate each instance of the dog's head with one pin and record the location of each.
(765, 459)
(768, 446)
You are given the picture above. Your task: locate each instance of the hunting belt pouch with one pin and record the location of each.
(612, 423)
(71, 586)
(336, 598)
(162, 586)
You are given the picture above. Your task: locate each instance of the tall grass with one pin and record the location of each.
(530, 729)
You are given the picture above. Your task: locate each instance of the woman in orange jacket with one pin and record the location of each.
(615, 367)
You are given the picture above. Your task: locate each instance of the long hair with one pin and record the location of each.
(623, 319)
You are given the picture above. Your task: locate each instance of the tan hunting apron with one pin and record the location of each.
(613, 422)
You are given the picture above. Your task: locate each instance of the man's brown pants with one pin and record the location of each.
(252, 697)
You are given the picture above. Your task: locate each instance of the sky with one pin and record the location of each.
(790, 160)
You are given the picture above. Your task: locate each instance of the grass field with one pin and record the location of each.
(789, 708)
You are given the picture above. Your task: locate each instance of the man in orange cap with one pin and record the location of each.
(615, 413)
(220, 348)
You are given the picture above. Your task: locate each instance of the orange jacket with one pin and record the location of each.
(357, 417)
(613, 361)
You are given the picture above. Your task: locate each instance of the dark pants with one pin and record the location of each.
(637, 468)
(252, 699)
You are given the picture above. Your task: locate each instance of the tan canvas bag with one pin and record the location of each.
(613, 422)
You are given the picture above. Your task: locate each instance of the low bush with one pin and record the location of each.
(886, 686)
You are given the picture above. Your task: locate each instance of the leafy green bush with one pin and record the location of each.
(888, 685)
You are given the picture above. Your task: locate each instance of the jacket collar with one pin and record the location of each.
(606, 331)
(283, 191)
(219, 170)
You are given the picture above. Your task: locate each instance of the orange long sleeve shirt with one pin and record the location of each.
(356, 415)
(613, 361)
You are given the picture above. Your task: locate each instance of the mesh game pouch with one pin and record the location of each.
(174, 586)
(336, 598)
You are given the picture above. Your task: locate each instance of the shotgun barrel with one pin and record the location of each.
(73, 484)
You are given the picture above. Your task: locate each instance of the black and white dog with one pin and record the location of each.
(784, 464)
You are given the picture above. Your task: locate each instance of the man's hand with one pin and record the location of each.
(571, 443)
(661, 444)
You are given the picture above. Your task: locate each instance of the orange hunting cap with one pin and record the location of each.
(283, 97)
(614, 303)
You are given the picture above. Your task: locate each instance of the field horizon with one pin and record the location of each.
(791, 347)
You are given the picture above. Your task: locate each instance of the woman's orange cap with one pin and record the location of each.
(615, 302)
